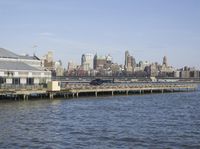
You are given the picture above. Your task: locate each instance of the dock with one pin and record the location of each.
(79, 90)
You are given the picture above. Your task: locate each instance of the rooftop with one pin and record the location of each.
(7, 54)
(9, 65)
(4, 53)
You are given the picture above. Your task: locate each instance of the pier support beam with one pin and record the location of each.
(24, 97)
(127, 92)
(77, 94)
(96, 93)
(112, 93)
(66, 95)
(51, 95)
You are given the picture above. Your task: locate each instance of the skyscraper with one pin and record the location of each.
(47, 61)
(126, 59)
(129, 62)
(87, 61)
(165, 61)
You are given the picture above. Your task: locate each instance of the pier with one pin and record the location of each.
(78, 90)
(127, 89)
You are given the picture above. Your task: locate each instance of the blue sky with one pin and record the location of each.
(149, 29)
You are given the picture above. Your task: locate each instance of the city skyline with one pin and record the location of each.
(148, 29)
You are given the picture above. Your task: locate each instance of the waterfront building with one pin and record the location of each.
(188, 72)
(21, 70)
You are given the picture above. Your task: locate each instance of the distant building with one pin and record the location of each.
(21, 70)
(141, 66)
(47, 61)
(129, 63)
(99, 62)
(109, 59)
(87, 61)
(188, 72)
(102, 62)
(166, 70)
(59, 70)
(71, 68)
(165, 61)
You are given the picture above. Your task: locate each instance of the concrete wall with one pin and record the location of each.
(36, 80)
(22, 80)
(9, 81)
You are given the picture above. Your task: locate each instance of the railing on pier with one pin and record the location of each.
(72, 90)
(19, 87)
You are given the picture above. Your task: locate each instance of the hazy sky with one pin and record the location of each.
(149, 29)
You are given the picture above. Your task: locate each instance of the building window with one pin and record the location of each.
(16, 81)
(30, 81)
(2, 80)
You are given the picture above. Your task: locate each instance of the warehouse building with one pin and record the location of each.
(21, 70)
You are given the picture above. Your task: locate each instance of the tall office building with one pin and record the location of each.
(165, 61)
(99, 62)
(129, 62)
(87, 61)
(126, 59)
(47, 61)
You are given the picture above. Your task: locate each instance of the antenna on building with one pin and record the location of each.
(34, 50)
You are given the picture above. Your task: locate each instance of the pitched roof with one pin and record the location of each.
(7, 54)
(4, 53)
(9, 65)
(28, 57)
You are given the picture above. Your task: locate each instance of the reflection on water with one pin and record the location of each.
(147, 121)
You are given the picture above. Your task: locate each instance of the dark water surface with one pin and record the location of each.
(147, 121)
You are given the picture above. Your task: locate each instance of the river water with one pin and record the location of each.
(141, 121)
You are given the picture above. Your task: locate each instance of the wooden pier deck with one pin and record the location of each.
(76, 90)
(130, 88)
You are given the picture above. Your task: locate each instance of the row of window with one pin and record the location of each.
(16, 81)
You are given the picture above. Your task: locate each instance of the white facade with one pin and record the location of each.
(87, 61)
(23, 81)
(71, 66)
(25, 70)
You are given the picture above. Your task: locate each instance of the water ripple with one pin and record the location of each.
(149, 121)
